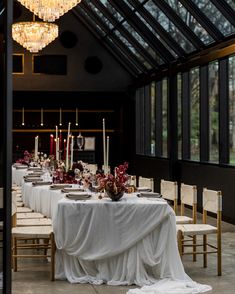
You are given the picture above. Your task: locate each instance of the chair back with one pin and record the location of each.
(146, 182)
(13, 207)
(188, 194)
(212, 200)
(132, 180)
(169, 191)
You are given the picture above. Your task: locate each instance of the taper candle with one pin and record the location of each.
(104, 146)
(51, 143)
(67, 149)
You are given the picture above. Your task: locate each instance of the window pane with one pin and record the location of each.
(100, 14)
(190, 21)
(179, 98)
(232, 109)
(194, 114)
(213, 92)
(153, 118)
(164, 117)
(231, 3)
(111, 9)
(215, 16)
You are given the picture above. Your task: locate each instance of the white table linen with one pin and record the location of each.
(18, 176)
(132, 241)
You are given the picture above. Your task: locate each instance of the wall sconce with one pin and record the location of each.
(76, 121)
(41, 117)
(22, 116)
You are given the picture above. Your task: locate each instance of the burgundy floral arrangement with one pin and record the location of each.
(114, 185)
(27, 158)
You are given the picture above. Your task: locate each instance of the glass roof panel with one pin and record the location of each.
(142, 42)
(110, 40)
(231, 3)
(190, 21)
(156, 34)
(169, 26)
(112, 10)
(100, 15)
(132, 49)
(215, 16)
(93, 23)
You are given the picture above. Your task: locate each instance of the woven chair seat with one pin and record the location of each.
(24, 209)
(181, 219)
(19, 204)
(30, 215)
(196, 229)
(34, 222)
(32, 232)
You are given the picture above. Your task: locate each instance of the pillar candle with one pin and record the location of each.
(107, 158)
(104, 146)
(56, 150)
(72, 142)
(60, 146)
(67, 149)
(36, 148)
(64, 157)
(51, 143)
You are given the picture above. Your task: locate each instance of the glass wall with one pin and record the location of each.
(153, 118)
(194, 114)
(232, 109)
(179, 114)
(164, 117)
(213, 93)
(205, 112)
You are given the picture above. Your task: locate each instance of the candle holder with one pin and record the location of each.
(80, 141)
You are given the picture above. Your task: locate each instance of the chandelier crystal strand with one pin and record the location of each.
(35, 35)
(49, 10)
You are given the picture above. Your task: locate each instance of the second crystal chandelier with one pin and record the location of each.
(49, 10)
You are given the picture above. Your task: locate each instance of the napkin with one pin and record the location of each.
(149, 195)
(78, 196)
(32, 179)
(21, 166)
(144, 189)
(35, 168)
(67, 190)
(35, 173)
(60, 186)
(41, 183)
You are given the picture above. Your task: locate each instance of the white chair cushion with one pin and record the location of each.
(30, 215)
(34, 222)
(181, 219)
(32, 232)
(196, 229)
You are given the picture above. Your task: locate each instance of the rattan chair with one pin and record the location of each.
(37, 249)
(146, 182)
(212, 202)
(169, 191)
(188, 195)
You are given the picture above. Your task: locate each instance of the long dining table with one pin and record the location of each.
(132, 241)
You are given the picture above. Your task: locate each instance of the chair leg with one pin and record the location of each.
(14, 254)
(194, 248)
(180, 243)
(219, 256)
(204, 249)
(53, 248)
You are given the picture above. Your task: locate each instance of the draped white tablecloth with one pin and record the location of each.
(132, 241)
(18, 175)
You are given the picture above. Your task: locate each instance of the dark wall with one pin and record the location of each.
(202, 175)
(115, 107)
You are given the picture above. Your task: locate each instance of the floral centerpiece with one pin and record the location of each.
(26, 159)
(114, 185)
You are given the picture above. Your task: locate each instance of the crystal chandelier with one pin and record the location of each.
(34, 35)
(49, 10)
